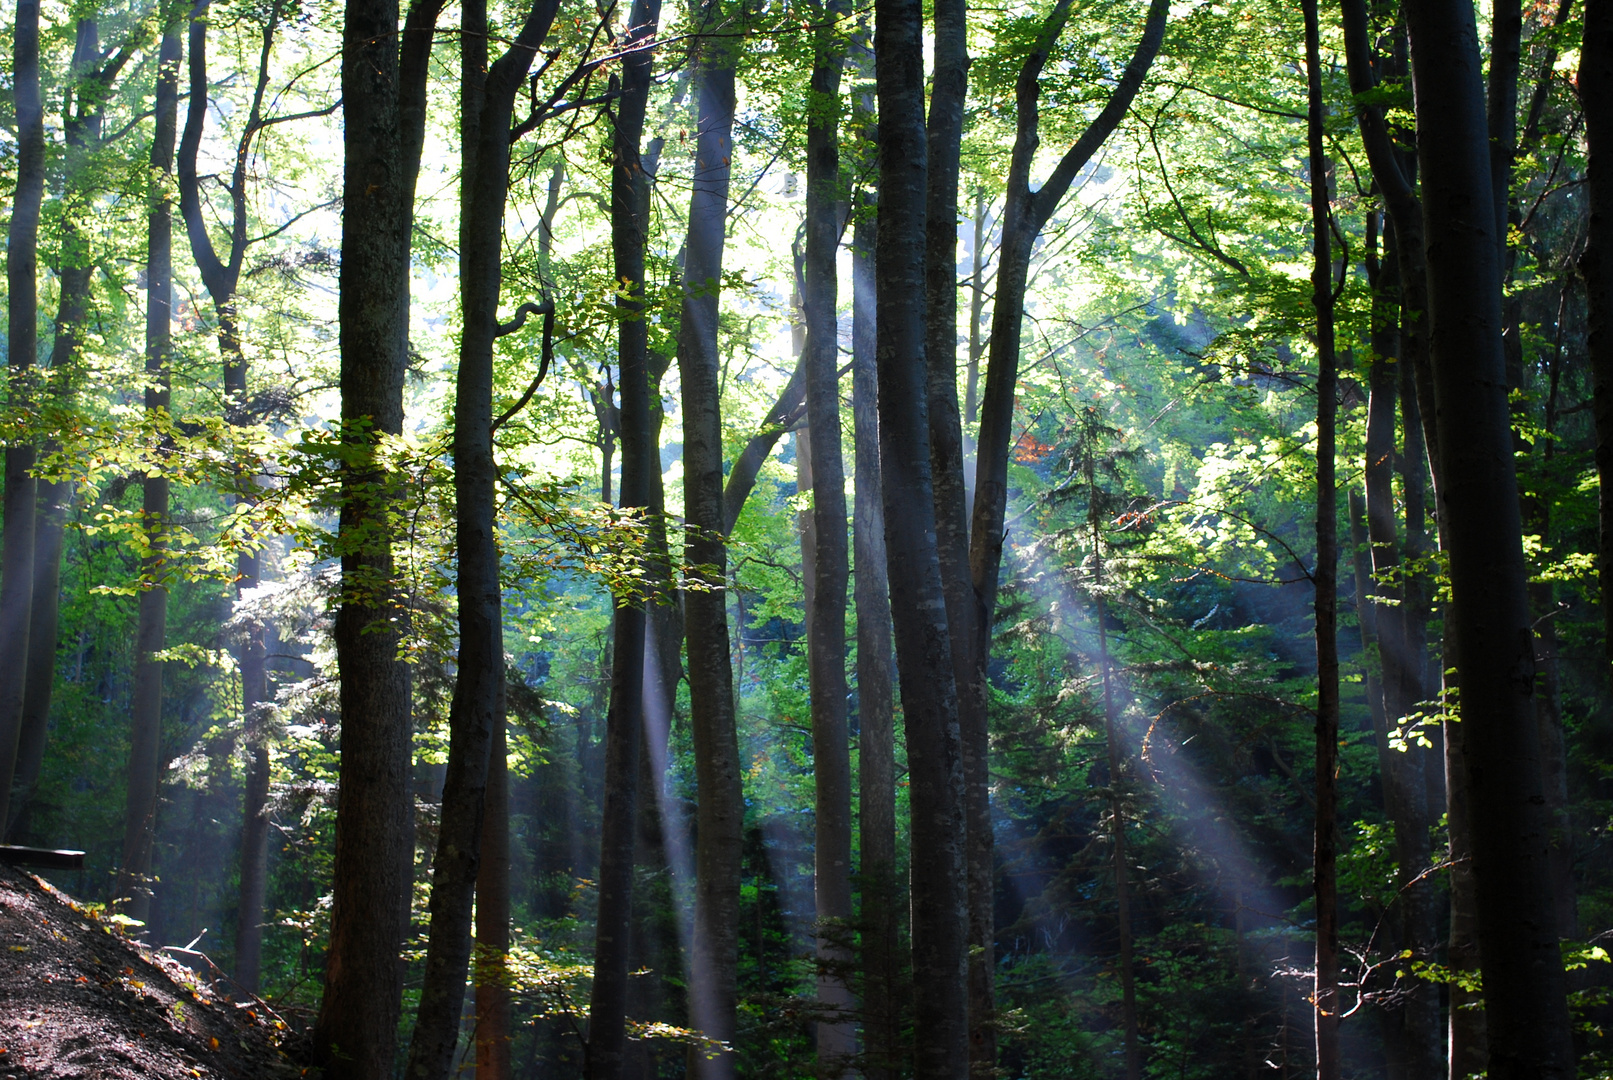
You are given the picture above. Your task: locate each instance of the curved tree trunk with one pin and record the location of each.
(476, 716)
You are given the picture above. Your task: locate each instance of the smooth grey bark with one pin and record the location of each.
(476, 714)
(1596, 265)
(1325, 998)
(607, 1011)
(876, 758)
(826, 630)
(383, 105)
(22, 346)
(918, 605)
(221, 279)
(145, 723)
(1525, 992)
(720, 815)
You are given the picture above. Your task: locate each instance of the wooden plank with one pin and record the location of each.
(49, 858)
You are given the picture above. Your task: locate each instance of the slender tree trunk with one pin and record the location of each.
(1025, 214)
(493, 1018)
(918, 605)
(145, 767)
(944, 135)
(720, 815)
(221, 277)
(22, 345)
(383, 102)
(81, 115)
(476, 716)
(1525, 995)
(1596, 264)
(607, 1015)
(826, 640)
(876, 758)
(1326, 996)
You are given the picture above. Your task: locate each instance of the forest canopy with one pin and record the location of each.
(764, 538)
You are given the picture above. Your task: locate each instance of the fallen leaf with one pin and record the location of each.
(213, 1043)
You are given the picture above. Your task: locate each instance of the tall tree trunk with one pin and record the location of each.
(1596, 263)
(720, 814)
(1525, 997)
(1325, 577)
(918, 605)
(22, 345)
(383, 102)
(145, 737)
(493, 1015)
(81, 131)
(876, 758)
(607, 1011)
(221, 278)
(826, 632)
(1025, 213)
(944, 136)
(476, 715)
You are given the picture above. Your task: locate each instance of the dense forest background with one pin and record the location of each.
(526, 536)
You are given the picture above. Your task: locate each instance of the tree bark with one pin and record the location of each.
(1596, 264)
(1525, 996)
(1325, 999)
(1025, 213)
(221, 278)
(918, 604)
(145, 737)
(876, 757)
(607, 1013)
(493, 1017)
(826, 632)
(82, 113)
(22, 345)
(383, 102)
(720, 815)
(476, 715)
(944, 136)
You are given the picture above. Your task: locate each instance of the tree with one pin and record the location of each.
(476, 717)
(384, 104)
(22, 344)
(721, 812)
(1525, 1004)
(629, 203)
(145, 765)
(918, 606)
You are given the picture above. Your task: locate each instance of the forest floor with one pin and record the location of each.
(78, 999)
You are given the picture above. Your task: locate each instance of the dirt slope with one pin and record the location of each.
(77, 1000)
